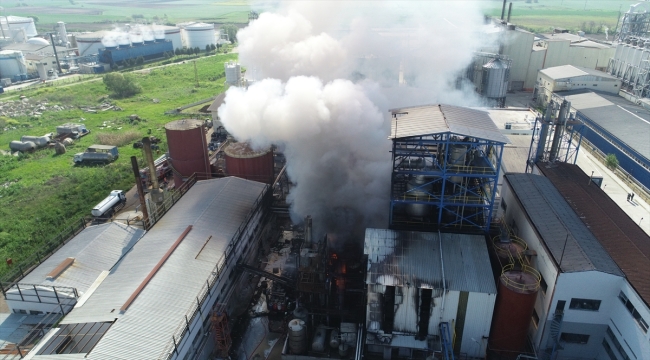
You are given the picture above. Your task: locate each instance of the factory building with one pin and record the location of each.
(446, 163)
(17, 28)
(569, 77)
(592, 299)
(155, 298)
(148, 50)
(616, 126)
(531, 53)
(424, 287)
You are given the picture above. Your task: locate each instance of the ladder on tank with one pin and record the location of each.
(445, 340)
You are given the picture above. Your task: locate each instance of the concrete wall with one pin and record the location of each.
(518, 46)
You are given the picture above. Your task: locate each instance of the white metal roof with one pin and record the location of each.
(214, 208)
(436, 119)
(409, 258)
(569, 71)
(95, 249)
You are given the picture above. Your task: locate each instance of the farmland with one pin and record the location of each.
(41, 193)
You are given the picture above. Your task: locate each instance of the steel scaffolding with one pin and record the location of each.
(444, 181)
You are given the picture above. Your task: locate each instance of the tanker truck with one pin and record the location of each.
(97, 154)
(114, 201)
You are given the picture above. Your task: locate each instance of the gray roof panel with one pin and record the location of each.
(568, 239)
(436, 119)
(214, 208)
(404, 258)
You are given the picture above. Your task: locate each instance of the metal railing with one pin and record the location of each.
(522, 286)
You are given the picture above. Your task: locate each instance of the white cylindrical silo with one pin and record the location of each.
(12, 63)
(233, 73)
(63, 34)
(173, 34)
(90, 43)
(198, 35)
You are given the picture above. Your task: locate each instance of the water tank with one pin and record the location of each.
(16, 24)
(244, 162)
(297, 336)
(22, 146)
(233, 73)
(495, 79)
(335, 341)
(12, 63)
(198, 35)
(188, 151)
(90, 43)
(513, 310)
(416, 190)
(173, 34)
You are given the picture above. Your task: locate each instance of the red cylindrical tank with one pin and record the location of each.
(188, 150)
(513, 310)
(244, 162)
(508, 249)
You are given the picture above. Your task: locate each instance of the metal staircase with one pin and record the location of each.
(445, 339)
(553, 343)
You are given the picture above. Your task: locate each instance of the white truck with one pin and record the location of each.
(114, 201)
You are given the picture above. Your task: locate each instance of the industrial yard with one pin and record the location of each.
(315, 194)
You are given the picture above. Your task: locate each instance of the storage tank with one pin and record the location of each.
(12, 63)
(39, 141)
(173, 34)
(513, 310)
(22, 146)
(495, 79)
(188, 150)
(508, 248)
(198, 35)
(15, 24)
(63, 34)
(233, 73)
(297, 336)
(318, 344)
(244, 162)
(90, 43)
(38, 41)
(416, 190)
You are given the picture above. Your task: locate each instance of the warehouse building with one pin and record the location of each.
(423, 287)
(572, 244)
(156, 300)
(569, 77)
(615, 126)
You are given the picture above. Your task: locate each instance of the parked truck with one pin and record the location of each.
(113, 202)
(97, 154)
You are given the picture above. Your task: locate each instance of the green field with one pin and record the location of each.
(41, 193)
(589, 16)
(92, 14)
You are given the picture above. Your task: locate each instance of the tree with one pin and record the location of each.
(611, 161)
(207, 48)
(120, 85)
(231, 31)
(212, 47)
(177, 52)
(197, 50)
(139, 60)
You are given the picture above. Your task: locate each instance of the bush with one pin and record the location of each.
(611, 161)
(121, 86)
(118, 139)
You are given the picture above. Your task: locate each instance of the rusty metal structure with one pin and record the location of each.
(188, 151)
(220, 329)
(248, 163)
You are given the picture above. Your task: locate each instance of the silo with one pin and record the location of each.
(90, 43)
(16, 24)
(198, 35)
(63, 34)
(495, 79)
(12, 63)
(244, 162)
(509, 249)
(233, 73)
(173, 34)
(518, 286)
(188, 151)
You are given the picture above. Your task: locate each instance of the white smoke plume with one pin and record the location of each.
(327, 74)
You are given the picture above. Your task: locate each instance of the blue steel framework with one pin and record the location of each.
(566, 153)
(453, 194)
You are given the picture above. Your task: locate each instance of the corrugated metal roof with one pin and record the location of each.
(95, 249)
(623, 239)
(565, 235)
(214, 208)
(568, 71)
(401, 258)
(436, 119)
(625, 121)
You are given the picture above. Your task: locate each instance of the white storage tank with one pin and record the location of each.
(63, 34)
(233, 73)
(198, 35)
(495, 79)
(173, 34)
(12, 63)
(14, 24)
(90, 43)
(38, 41)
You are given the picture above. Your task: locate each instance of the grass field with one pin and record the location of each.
(40, 193)
(574, 15)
